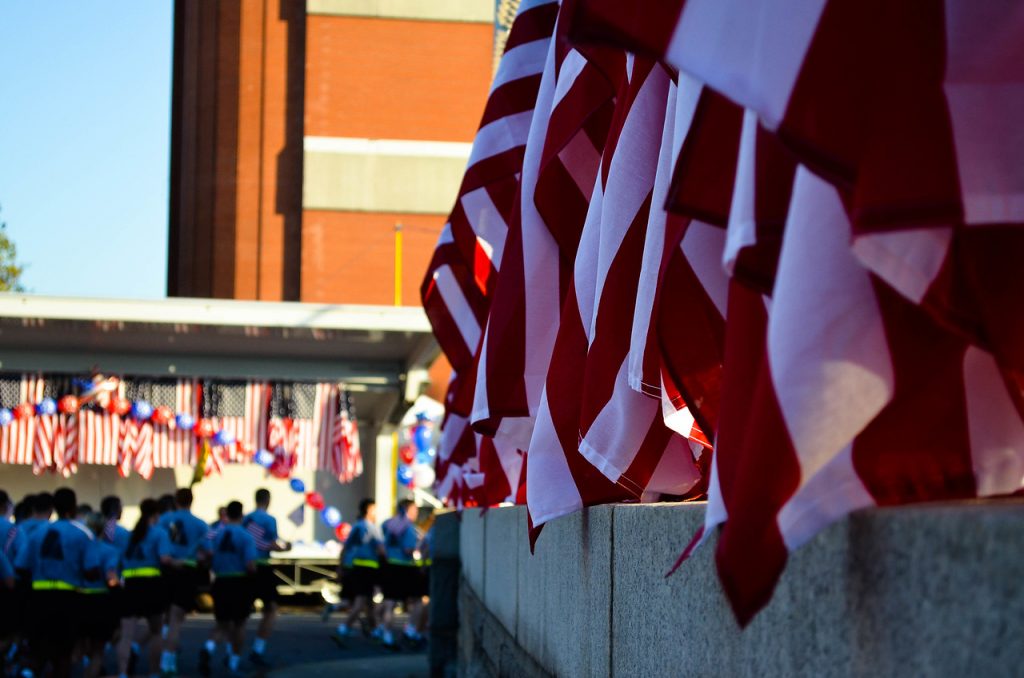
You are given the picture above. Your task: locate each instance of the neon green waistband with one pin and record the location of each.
(189, 563)
(52, 585)
(136, 572)
(228, 575)
(428, 562)
(362, 562)
(403, 563)
(93, 591)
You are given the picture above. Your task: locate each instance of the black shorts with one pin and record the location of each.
(10, 604)
(232, 598)
(401, 582)
(100, 615)
(53, 622)
(358, 581)
(144, 597)
(183, 586)
(266, 584)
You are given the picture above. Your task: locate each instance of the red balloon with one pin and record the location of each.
(162, 415)
(407, 454)
(120, 406)
(67, 405)
(204, 429)
(315, 501)
(24, 411)
(342, 530)
(280, 471)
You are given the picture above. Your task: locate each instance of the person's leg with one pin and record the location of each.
(361, 602)
(124, 647)
(176, 619)
(155, 637)
(266, 626)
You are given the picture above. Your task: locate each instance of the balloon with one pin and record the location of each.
(280, 471)
(141, 410)
(407, 454)
(423, 476)
(162, 415)
(24, 411)
(421, 435)
(223, 437)
(67, 405)
(119, 406)
(342, 530)
(265, 458)
(204, 428)
(298, 485)
(423, 457)
(6, 416)
(46, 406)
(404, 475)
(185, 422)
(331, 516)
(315, 500)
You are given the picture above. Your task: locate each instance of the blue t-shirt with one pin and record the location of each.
(400, 542)
(56, 554)
(100, 559)
(30, 525)
(361, 545)
(233, 549)
(148, 552)
(12, 539)
(263, 528)
(187, 534)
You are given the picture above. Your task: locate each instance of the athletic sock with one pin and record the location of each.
(135, 648)
(166, 661)
(211, 647)
(164, 630)
(387, 637)
(233, 661)
(259, 645)
(342, 630)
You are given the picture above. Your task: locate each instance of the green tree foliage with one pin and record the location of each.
(10, 269)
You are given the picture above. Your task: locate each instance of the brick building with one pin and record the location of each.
(304, 132)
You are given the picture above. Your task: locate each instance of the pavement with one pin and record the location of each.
(302, 646)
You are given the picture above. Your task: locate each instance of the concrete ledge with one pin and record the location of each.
(933, 590)
(475, 11)
(472, 549)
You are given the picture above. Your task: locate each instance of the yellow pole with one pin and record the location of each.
(398, 264)
(394, 466)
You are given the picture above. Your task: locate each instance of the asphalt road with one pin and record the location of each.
(301, 646)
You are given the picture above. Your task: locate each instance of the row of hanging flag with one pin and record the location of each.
(139, 424)
(766, 249)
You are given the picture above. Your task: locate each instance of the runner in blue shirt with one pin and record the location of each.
(360, 564)
(12, 540)
(113, 533)
(55, 557)
(101, 599)
(400, 576)
(263, 528)
(188, 540)
(145, 594)
(233, 562)
(42, 511)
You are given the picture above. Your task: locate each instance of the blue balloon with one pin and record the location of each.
(6, 416)
(423, 457)
(46, 406)
(264, 458)
(223, 437)
(404, 475)
(298, 485)
(184, 421)
(141, 410)
(421, 435)
(331, 516)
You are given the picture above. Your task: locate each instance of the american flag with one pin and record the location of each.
(300, 423)
(17, 440)
(100, 433)
(345, 456)
(239, 407)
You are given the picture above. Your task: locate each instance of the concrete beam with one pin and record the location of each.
(474, 11)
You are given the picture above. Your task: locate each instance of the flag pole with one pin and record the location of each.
(398, 264)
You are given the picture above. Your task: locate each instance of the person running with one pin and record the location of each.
(400, 576)
(263, 528)
(149, 548)
(188, 546)
(359, 567)
(113, 532)
(42, 511)
(234, 563)
(222, 518)
(12, 536)
(12, 541)
(101, 602)
(54, 558)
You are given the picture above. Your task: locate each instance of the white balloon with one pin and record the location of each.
(423, 475)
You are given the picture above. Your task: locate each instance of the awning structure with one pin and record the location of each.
(381, 353)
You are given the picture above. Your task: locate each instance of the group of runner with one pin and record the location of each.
(71, 587)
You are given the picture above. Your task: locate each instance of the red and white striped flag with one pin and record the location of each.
(345, 458)
(241, 409)
(173, 446)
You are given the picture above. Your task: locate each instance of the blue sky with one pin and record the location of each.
(85, 93)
